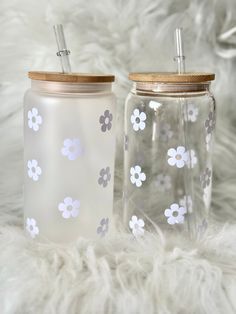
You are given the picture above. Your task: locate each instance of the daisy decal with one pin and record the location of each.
(191, 113)
(165, 132)
(105, 121)
(137, 177)
(72, 148)
(136, 225)
(210, 122)
(187, 203)
(34, 171)
(192, 159)
(163, 182)
(175, 214)
(69, 208)
(34, 119)
(104, 176)
(154, 105)
(31, 227)
(177, 157)
(208, 141)
(205, 178)
(138, 120)
(103, 227)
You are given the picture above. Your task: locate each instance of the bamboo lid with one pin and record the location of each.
(171, 77)
(71, 77)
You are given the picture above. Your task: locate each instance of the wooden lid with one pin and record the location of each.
(171, 77)
(71, 77)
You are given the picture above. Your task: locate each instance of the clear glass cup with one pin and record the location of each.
(169, 130)
(69, 154)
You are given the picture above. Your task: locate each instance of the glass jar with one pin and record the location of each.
(69, 153)
(169, 128)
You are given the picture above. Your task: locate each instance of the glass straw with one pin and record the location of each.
(188, 176)
(63, 52)
(180, 58)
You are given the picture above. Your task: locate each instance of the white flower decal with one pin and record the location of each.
(175, 214)
(191, 113)
(34, 171)
(69, 208)
(137, 119)
(31, 227)
(208, 141)
(178, 157)
(34, 119)
(137, 177)
(207, 196)
(192, 159)
(187, 203)
(103, 227)
(72, 148)
(163, 182)
(136, 225)
(165, 132)
(154, 105)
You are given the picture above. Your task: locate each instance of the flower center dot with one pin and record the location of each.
(33, 169)
(178, 157)
(107, 120)
(70, 207)
(136, 176)
(175, 213)
(31, 228)
(105, 177)
(137, 119)
(33, 119)
(190, 112)
(136, 226)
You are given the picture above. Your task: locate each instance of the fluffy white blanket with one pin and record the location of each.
(157, 274)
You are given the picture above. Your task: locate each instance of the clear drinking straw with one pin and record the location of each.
(179, 58)
(188, 178)
(63, 52)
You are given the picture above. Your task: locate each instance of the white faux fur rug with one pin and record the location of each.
(157, 274)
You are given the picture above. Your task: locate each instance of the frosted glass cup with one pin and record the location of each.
(169, 131)
(69, 150)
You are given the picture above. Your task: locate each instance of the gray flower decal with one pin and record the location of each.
(103, 227)
(210, 122)
(206, 178)
(105, 121)
(105, 176)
